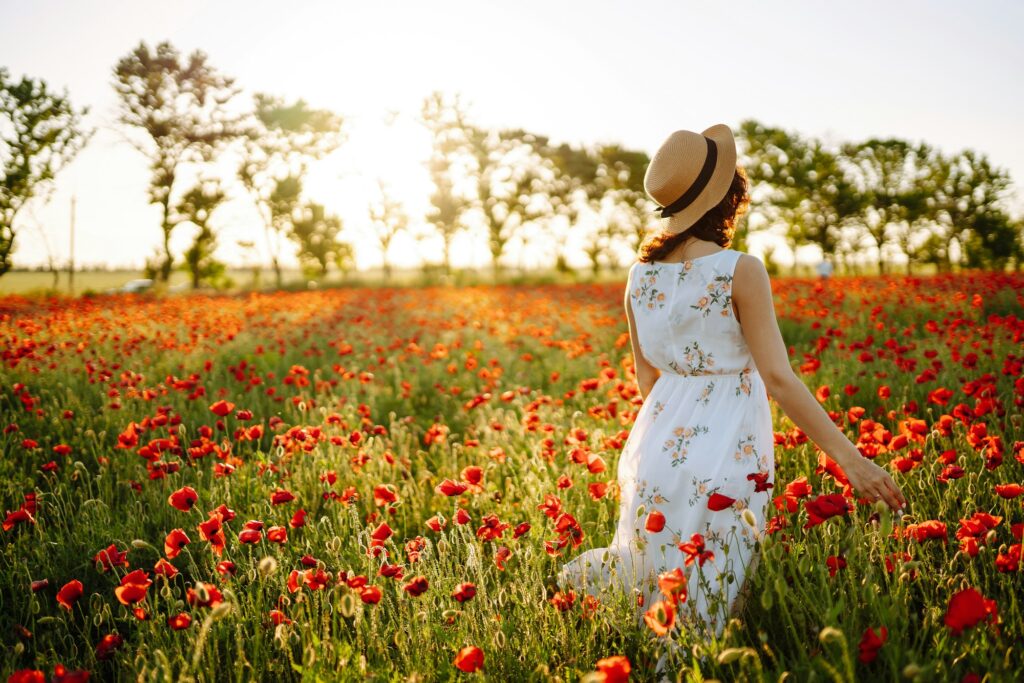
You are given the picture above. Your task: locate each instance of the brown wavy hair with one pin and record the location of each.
(717, 225)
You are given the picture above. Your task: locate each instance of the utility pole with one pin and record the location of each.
(71, 251)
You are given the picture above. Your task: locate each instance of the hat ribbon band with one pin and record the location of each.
(698, 185)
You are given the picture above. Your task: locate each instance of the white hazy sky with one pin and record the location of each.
(943, 71)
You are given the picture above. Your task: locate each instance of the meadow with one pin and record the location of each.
(379, 484)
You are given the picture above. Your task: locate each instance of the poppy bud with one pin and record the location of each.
(267, 566)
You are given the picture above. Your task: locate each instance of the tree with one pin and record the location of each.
(40, 133)
(180, 107)
(971, 193)
(890, 174)
(281, 139)
(316, 233)
(507, 179)
(570, 181)
(196, 207)
(621, 178)
(800, 183)
(387, 219)
(446, 121)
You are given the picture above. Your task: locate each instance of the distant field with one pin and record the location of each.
(40, 283)
(28, 282)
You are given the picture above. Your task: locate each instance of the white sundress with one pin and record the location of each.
(703, 428)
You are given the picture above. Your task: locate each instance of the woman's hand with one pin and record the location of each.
(872, 481)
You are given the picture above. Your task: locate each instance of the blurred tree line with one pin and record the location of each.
(893, 199)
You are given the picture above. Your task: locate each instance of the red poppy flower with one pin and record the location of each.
(492, 528)
(165, 569)
(469, 659)
(615, 669)
(464, 591)
(871, 642)
(316, 579)
(967, 608)
(175, 541)
(451, 488)
(281, 496)
(226, 568)
(250, 536)
(370, 594)
(277, 534)
(434, 523)
(825, 507)
(928, 529)
(222, 408)
(107, 645)
(277, 617)
(760, 480)
(695, 551)
(133, 587)
(19, 516)
(69, 593)
(212, 531)
(111, 557)
(27, 676)
(416, 586)
(298, 519)
(501, 556)
(1009, 490)
(180, 621)
(835, 563)
(673, 585)
(1009, 562)
(183, 499)
(717, 502)
(655, 521)
(204, 595)
(62, 675)
(661, 617)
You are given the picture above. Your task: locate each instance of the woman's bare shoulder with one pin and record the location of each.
(750, 273)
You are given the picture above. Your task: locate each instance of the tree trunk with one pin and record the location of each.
(447, 253)
(277, 271)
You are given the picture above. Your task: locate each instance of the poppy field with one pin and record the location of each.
(381, 483)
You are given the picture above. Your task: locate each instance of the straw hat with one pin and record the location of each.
(691, 173)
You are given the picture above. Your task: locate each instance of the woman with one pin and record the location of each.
(707, 351)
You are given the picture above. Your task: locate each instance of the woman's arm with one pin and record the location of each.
(752, 296)
(646, 374)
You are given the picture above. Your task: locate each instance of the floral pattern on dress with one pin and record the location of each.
(743, 388)
(687, 266)
(705, 395)
(746, 449)
(646, 292)
(680, 442)
(719, 294)
(698, 361)
(656, 410)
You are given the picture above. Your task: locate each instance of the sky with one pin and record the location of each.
(941, 71)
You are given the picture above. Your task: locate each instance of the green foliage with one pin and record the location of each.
(178, 110)
(40, 133)
(279, 143)
(316, 233)
(196, 207)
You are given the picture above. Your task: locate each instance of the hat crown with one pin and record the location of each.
(675, 166)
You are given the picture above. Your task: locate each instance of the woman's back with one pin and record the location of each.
(684, 315)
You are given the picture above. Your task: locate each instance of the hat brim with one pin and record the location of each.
(718, 185)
